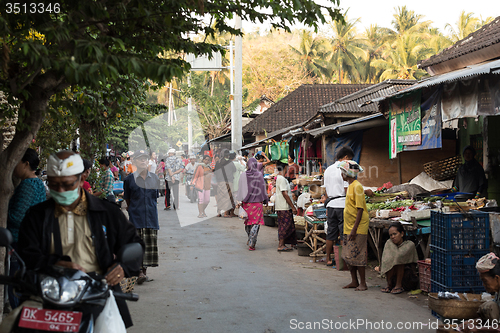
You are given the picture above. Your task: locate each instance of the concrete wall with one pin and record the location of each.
(379, 169)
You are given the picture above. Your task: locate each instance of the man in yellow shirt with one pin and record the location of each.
(356, 221)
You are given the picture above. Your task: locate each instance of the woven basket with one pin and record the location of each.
(443, 169)
(128, 284)
(455, 309)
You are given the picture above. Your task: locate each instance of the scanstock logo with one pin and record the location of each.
(196, 192)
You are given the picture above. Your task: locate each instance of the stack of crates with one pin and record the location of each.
(458, 241)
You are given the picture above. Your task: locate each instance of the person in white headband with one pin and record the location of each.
(63, 174)
(77, 230)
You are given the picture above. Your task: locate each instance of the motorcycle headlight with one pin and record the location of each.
(65, 293)
(50, 288)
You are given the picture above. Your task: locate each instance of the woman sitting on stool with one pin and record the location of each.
(398, 254)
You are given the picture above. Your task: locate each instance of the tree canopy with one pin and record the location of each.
(94, 43)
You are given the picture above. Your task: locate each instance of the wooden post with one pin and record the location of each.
(306, 144)
(399, 170)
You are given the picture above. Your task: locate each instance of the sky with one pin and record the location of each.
(439, 12)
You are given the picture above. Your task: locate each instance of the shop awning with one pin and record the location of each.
(490, 67)
(272, 135)
(223, 138)
(361, 123)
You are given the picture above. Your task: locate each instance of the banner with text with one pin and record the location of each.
(431, 123)
(405, 122)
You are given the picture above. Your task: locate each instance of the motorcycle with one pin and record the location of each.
(59, 299)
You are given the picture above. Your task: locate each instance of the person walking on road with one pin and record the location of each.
(224, 173)
(252, 194)
(285, 209)
(336, 189)
(141, 193)
(173, 174)
(202, 181)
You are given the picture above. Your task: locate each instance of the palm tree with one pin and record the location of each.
(311, 51)
(437, 42)
(373, 39)
(407, 21)
(401, 58)
(346, 48)
(465, 25)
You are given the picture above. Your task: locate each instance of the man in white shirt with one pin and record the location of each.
(336, 189)
(285, 209)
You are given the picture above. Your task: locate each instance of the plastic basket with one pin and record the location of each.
(320, 213)
(458, 231)
(456, 269)
(437, 287)
(424, 274)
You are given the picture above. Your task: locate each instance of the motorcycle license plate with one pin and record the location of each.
(50, 320)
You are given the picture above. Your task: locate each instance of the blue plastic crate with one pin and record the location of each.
(320, 213)
(456, 269)
(437, 287)
(457, 231)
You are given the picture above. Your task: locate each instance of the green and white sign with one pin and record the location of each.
(405, 122)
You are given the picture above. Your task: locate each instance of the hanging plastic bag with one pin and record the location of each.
(275, 151)
(242, 214)
(110, 319)
(284, 151)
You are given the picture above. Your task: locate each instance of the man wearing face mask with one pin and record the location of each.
(76, 230)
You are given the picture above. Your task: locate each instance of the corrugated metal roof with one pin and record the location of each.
(332, 128)
(355, 101)
(492, 67)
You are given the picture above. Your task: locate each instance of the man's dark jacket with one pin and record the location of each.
(110, 231)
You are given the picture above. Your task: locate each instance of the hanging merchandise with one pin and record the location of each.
(275, 151)
(284, 151)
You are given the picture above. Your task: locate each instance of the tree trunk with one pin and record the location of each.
(26, 128)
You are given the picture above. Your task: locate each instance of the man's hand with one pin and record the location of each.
(69, 264)
(352, 236)
(115, 275)
(369, 192)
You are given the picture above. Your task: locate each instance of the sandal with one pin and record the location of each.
(386, 290)
(285, 249)
(251, 248)
(201, 216)
(397, 291)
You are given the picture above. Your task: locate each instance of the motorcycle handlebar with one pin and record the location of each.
(125, 296)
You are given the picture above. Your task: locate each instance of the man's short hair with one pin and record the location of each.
(345, 151)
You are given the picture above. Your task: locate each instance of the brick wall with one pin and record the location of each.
(379, 169)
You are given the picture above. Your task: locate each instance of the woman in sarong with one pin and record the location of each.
(224, 173)
(397, 259)
(252, 193)
(356, 221)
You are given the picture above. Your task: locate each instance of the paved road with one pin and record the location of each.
(208, 281)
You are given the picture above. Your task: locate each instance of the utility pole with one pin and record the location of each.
(190, 126)
(236, 131)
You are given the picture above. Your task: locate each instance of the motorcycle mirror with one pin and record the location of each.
(5, 237)
(131, 255)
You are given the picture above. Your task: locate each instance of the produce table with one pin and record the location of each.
(317, 242)
(312, 237)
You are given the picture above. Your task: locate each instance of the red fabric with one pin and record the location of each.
(86, 186)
